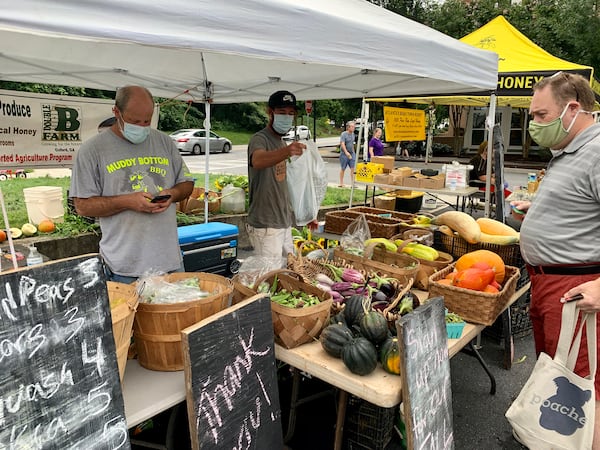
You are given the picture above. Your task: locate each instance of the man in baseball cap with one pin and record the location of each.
(281, 99)
(270, 214)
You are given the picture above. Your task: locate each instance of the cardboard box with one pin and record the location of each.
(366, 172)
(414, 180)
(396, 179)
(403, 171)
(387, 161)
(382, 178)
(435, 182)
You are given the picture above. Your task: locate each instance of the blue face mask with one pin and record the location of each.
(282, 123)
(135, 134)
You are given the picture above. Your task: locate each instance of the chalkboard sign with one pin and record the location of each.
(59, 380)
(231, 379)
(425, 368)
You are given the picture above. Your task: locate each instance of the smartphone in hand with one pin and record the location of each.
(160, 198)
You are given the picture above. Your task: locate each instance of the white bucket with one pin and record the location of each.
(44, 202)
(429, 202)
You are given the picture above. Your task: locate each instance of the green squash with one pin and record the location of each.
(389, 356)
(374, 327)
(360, 356)
(334, 337)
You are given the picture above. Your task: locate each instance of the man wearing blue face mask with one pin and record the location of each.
(560, 234)
(116, 176)
(270, 214)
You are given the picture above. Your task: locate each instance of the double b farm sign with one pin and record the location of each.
(39, 130)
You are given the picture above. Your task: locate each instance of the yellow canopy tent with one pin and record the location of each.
(521, 63)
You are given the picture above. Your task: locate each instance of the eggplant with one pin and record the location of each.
(388, 289)
(380, 296)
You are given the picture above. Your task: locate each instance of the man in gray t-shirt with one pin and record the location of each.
(116, 175)
(270, 214)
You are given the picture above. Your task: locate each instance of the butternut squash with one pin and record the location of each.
(498, 239)
(462, 223)
(492, 226)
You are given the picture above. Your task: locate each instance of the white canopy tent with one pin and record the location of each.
(236, 50)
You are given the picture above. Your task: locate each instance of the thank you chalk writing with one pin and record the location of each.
(231, 379)
(426, 391)
(59, 381)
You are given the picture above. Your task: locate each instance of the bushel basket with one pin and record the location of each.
(337, 221)
(157, 327)
(474, 306)
(126, 300)
(296, 326)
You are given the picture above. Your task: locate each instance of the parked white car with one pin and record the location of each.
(193, 141)
(302, 131)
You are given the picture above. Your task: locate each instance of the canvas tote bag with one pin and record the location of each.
(555, 409)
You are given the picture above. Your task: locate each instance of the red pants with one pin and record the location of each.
(546, 313)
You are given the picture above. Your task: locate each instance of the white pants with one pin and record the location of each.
(271, 242)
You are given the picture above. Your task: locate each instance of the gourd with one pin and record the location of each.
(467, 260)
(354, 309)
(360, 356)
(498, 239)
(473, 278)
(389, 355)
(462, 223)
(374, 327)
(334, 337)
(495, 227)
(338, 318)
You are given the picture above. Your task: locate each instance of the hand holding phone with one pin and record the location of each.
(160, 198)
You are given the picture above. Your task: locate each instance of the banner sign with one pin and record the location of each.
(402, 124)
(42, 130)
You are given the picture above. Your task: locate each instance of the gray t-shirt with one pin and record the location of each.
(348, 139)
(132, 243)
(269, 201)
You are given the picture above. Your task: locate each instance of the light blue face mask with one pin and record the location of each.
(135, 134)
(282, 123)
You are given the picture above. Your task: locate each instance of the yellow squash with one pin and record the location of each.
(492, 226)
(462, 223)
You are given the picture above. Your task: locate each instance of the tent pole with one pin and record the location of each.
(206, 157)
(362, 115)
(491, 119)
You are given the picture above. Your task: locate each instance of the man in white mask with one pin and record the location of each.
(270, 214)
(131, 176)
(560, 234)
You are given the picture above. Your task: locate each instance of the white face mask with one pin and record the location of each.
(282, 123)
(135, 134)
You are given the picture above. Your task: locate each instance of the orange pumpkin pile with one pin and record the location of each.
(480, 270)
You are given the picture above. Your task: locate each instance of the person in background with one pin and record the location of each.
(116, 175)
(347, 154)
(404, 152)
(375, 144)
(106, 124)
(479, 163)
(560, 232)
(270, 214)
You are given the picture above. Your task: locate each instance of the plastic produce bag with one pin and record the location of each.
(254, 267)
(156, 290)
(307, 183)
(354, 236)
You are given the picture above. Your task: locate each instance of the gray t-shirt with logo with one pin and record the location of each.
(270, 205)
(132, 242)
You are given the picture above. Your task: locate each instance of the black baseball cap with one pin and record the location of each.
(281, 99)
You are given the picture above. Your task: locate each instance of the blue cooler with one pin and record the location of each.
(209, 247)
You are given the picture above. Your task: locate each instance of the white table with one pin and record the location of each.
(147, 393)
(459, 193)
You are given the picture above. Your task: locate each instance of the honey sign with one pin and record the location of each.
(403, 124)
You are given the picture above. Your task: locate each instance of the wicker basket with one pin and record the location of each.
(510, 254)
(296, 326)
(157, 327)
(401, 216)
(123, 315)
(474, 306)
(240, 291)
(400, 266)
(425, 270)
(336, 222)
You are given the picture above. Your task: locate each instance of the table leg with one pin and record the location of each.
(509, 349)
(341, 416)
(472, 351)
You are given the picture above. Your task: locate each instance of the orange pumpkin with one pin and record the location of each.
(445, 281)
(491, 289)
(467, 261)
(475, 279)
